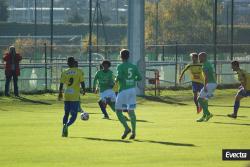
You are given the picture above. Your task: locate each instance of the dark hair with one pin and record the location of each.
(124, 54)
(235, 63)
(76, 63)
(71, 61)
(106, 62)
(194, 54)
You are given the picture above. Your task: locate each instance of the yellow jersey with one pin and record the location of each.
(244, 78)
(195, 72)
(72, 77)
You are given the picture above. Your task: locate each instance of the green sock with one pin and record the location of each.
(122, 119)
(133, 120)
(204, 105)
(112, 106)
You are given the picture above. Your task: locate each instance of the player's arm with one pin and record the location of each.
(242, 80)
(95, 83)
(83, 88)
(138, 75)
(205, 72)
(60, 95)
(183, 72)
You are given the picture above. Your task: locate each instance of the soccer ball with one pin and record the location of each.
(84, 116)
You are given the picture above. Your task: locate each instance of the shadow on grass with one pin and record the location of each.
(165, 99)
(232, 123)
(219, 115)
(138, 120)
(166, 143)
(216, 105)
(32, 101)
(101, 139)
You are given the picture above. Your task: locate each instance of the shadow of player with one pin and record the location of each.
(32, 101)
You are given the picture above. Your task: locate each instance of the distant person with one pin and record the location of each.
(244, 89)
(12, 69)
(196, 75)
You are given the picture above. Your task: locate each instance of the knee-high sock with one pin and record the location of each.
(204, 105)
(65, 118)
(133, 120)
(103, 109)
(112, 106)
(236, 107)
(196, 101)
(72, 118)
(122, 119)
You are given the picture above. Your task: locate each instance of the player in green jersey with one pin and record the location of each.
(105, 80)
(127, 76)
(209, 86)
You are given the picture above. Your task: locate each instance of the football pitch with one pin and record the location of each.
(167, 133)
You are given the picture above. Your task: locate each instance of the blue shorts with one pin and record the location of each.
(71, 106)
(196, 86)
(243, 93)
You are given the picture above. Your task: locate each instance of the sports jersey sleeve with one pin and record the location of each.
(81, 77)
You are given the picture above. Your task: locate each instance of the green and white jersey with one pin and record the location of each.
(105, 80)
(127, 75)
(208, 69)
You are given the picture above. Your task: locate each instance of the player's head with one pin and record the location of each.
(71, 62)
(76, 63)
(235, 65)
(12, 50)
(202, 57)
(124, 53)
(106, 64)
(194, 57)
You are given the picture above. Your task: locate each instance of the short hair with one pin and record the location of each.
(194, 54)
(124, 54)
(71, 61)
(202, 53)
(235, 63)
(106, 62)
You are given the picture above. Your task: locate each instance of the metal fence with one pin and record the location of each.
(40, 71)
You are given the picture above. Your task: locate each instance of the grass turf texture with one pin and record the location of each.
(167, 134)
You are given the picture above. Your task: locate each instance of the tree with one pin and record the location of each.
(4, 14)
(184, 21)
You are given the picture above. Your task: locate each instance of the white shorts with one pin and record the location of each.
(108, 94)
(126, 100)
(210, 90)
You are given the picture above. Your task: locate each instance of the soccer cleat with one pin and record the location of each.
(132, 136)
(201, 119)
(106, 117)
(199, 109)
(125, 134)
(232, 115)
(208, 117)
(65, 131)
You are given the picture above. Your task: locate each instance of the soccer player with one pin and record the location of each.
(244, 90)
(195, 71)
(72, 78)
(209, 87)
(127, 76)
(105, 80)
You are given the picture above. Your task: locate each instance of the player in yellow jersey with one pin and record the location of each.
(244, 89)
(72, 78)
(196, 76)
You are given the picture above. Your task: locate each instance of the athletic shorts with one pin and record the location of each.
(243, 93)
(210, 90)
(71, 106)
(196, 86)
(126, 100)
(108, 94)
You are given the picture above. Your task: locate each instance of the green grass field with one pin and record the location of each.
(167, 134)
